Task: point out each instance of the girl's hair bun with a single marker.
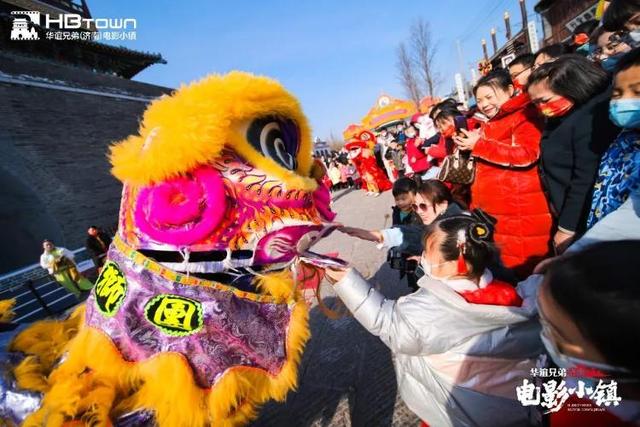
(481, 230)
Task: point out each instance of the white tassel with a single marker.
(186, 253)
(293, 267)
(227, 264)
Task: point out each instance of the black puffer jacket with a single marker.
(571, 148)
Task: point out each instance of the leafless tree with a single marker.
(407, 74)
(335, 143)
(424, 51)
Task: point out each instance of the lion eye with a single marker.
(276, 138)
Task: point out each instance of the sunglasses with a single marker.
(421, 207)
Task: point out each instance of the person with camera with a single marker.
(404, 193)
(432, 201)
(463, 341)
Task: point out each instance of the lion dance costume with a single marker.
(361, 154)
(196, 317)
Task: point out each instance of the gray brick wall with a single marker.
(54, 173)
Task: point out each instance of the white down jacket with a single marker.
(457, 364)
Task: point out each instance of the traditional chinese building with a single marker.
(62, 103)
(388, 111)
(320, 147)
(561, 17)
(523, 40)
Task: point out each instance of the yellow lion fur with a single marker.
(6, 310)
(191, 127)
(43, 343)
(276, 284)
(95, 384)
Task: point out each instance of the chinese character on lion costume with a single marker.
(361, 154)
(197, 316)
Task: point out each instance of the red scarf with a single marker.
(495, 293)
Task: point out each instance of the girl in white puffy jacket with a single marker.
(463, 341)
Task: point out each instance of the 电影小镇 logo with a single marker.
(24, 23)
(588, 387)
(31, 25)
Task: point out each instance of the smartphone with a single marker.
(460, 123)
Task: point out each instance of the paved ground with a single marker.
(347, 376)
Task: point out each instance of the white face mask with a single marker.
(427, 267)
(633, 38)
(568, 362)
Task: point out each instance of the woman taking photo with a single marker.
(463, 341)
(573, 94)
(506, 185)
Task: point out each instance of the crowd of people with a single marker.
(517, 225)
(400, 150)
(551, 140)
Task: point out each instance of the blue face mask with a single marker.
(611, 62)
(625, 113)
(632, 38)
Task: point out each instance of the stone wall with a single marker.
(54, 173)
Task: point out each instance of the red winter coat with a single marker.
(507, 185)
(417, 157)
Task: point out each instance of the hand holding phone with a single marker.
(467, 141)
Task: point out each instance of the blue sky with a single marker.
(335, 56)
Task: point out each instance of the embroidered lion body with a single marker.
(195, 318)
